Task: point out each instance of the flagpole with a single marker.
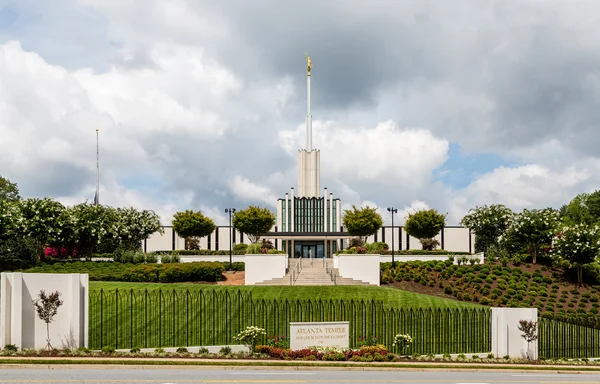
(97, 171)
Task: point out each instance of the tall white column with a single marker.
(293, 215)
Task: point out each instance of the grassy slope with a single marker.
(392, 298)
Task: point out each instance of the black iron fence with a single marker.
(173, 318)
(573, 338)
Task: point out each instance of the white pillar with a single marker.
(293, 215)
(506, 337)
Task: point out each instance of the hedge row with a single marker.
(175, 273)
(408, 252)
(199, 252)
(165, 273)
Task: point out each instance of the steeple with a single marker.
(309, 160)
(308, 115)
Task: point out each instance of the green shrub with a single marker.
(225, 350)
(159, 351)
(485, 301)
(203, 351)
(108, 350)
(240, 247)
(11, 348)
(135, 350)
(182, 350)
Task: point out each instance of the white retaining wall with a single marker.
(362, 267)
(19, 322)
(264, 267)
(506, 337)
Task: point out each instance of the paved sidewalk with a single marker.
(153, 362)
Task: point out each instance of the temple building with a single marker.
(309, 224)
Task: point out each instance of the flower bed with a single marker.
(365, 353)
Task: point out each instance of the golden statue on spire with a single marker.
(308, 64)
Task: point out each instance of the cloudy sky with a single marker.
(201, 104)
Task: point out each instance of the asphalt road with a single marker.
(122, 375)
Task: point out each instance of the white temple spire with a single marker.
(308, 115)
(309, 162)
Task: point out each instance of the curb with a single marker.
(205, 364)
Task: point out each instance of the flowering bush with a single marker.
(578, 245)
(249, 335)
(402, 341)
(488, 224)
(44, 221)
(534, 229)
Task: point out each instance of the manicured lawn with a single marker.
(391, 297)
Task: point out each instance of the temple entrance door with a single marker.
(309, 251)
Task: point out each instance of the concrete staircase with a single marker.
(314, 273)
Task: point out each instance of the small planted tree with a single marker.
(488, 224)
(579, 245)
(534, 229)
(529, 329)
(362, 222)
(192, 225)
(425, 225)
(253, 221)
(46, 307)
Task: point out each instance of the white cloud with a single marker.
(247, 190)
(385, 154)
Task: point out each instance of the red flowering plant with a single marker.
(278, 341)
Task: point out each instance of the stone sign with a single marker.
(324, 334)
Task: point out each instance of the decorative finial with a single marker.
(308, 64)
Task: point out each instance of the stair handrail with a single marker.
(295, 272)
(330, 272)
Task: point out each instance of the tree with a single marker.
(9, 217)
(93, 224)
(8, 191)
(362, 222)
(135, 226)
(534, 229)
(583, 209)
(43, 220)
(425, 225)
(253, 221)
(46, 307)
(488, 224)
(579, 245)
(529, 329)
(191, 225)
(16, 250)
